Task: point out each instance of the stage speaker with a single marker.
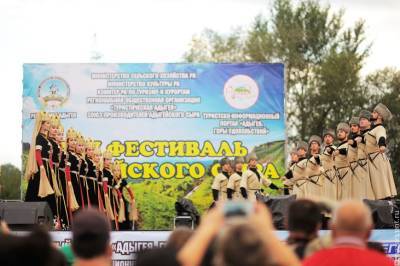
(184, 221)
(21, 216)
(279, 206)
(383, 212)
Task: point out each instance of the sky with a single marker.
(133, 31)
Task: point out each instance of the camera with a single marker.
(237, 208)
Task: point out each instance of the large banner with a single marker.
(167, 124)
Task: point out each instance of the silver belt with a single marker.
(91, 178)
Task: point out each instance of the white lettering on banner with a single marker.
(123, 262)
(131, 247)
(151, 75)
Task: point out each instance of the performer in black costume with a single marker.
(38, 171)
(55, 128)
(83, 169)
(74, 166)
(107, 179)
(91, 173)
(98, 162)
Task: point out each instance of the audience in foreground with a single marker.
(304, 220)
(33, 249)
(351, 228)
(254, 235)
(245, 236)
(91, 239)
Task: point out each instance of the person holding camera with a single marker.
(235, 236)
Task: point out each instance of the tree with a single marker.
(322, 60)
(10, 182)
(213, 47)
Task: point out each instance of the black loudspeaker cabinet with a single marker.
(21, 216)
(279, 206)
(383, 213)
(183, 221)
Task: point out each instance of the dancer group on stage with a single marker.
(74, 174)
(357, 168)
(236, 183)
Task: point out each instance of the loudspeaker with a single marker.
(383, 212)
(183, 221)
(279, 207)
(21, 216)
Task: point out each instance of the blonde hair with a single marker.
(31, 166)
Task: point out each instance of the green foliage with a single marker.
(156, 199)
(201, 196)
(24, 182)
(10, 182)
(322, 60)
(213, 47)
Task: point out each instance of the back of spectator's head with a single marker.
(352, 218)
(179, 237)
(90, 235)
(304, 216)
(240, 244)
(32, 249)
(157, 256)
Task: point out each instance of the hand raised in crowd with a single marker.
(213, 219)
(4, 229)
(261, 218)
(358, 139)
(193, 252)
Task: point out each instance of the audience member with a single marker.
(303, 223)
(91, 239)
(351, 227)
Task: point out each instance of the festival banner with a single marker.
(167, 124)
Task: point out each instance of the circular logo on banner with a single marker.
(241, 91)
(53, 92)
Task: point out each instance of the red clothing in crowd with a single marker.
(348, 256)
